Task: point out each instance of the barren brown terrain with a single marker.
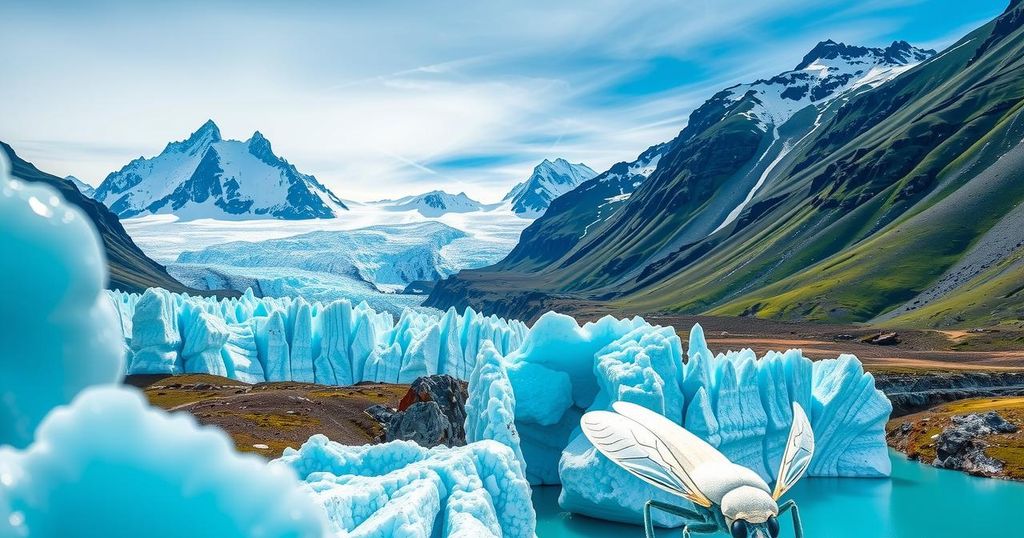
(267, 417)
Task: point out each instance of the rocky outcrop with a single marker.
(882, 339)
(961, 445)
(910, 393)
(432, 413)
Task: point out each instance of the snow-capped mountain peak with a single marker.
(199, 141)
(434, 203)
(207, 176)
(896, 54)
(829, 70)
(549, 180)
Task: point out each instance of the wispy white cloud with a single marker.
(372, 96)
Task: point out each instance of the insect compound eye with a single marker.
(773, 526)
(739, 529)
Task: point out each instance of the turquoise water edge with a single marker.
(917, 501)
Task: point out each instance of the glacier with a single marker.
(401, 489)
(283, 339)
(387, 257)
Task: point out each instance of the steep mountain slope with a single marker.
(130, 269)
(548, 181)
(207, 176)
(846, 210)
(83, 187)
(572, 215)
(434, 203)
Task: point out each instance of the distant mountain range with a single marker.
(549, 180)
(130, 269)
(83, 187)
(865, 184)
(435, 203)
(207, 176)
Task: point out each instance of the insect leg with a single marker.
(700, 528)
(671, 509)
(798, 530)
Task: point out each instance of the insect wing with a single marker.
(690, 450)
(799, 451)
(641, 451)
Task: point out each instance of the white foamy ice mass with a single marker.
(82, 456)
(283, 339)
(738, 402)
(403, 490)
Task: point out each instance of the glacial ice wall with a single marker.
(283, 339)
(400, 489)
(738, 402)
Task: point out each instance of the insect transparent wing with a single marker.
(690, 450)
(799, 451)
(642, 452)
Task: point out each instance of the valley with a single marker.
(470, 303)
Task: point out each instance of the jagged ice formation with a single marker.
(401, 489)
(285, 339)
(738, 402)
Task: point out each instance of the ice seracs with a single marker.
(206, 176)
(265, 339)
(738, 402)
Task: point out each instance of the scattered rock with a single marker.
(960, 445)
(381, 413)
(844, 337)
(882, 339)
(432, 412)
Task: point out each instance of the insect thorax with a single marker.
(749, 504)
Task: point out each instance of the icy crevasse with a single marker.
(285, 339)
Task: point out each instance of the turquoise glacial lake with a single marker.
(918, 501)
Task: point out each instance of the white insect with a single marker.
(726, 496)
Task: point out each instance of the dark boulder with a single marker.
(432, 413)
(961, 447)
(423, 423)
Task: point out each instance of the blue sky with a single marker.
(387, 98)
